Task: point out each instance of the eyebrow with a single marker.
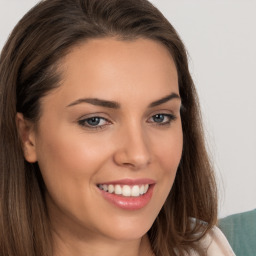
(164, 100)
(96, 102)
(116, 105)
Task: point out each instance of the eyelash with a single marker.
(85, 122)
(170, 118)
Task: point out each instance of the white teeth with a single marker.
(146, 188)
(142, 189)
(111, 188)
(105, 187)
(125, 190)
(135, 191)
(118, 190)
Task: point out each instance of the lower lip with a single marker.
(129, 203)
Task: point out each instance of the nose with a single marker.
(133, 149)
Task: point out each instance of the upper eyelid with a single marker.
(92, 115)
(172, 116)
(85, 125)
(167, 109)
(163, 112)
(111, 120)
(96, 116)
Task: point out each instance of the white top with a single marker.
(216, 244)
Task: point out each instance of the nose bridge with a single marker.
(134, 148)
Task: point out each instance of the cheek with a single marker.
(169, 154)
(71, 162)
(69, 166)
(65, 152)
(67, 163)
(169, 151)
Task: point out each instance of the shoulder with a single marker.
(215, 243)
(240, 220)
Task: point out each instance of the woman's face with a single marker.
(109, 139)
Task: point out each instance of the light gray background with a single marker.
(220, 37)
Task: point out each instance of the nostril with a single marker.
(133, 151)
(131, 161)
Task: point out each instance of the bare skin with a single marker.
(131, 131)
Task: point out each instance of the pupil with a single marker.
(94, 121)
(158, 118)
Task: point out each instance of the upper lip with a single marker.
(130, 182)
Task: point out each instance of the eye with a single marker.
(162, 119)
(94, 122)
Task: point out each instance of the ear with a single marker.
(26, 132)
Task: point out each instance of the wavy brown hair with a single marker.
(29, 70)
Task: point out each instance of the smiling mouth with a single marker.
(125, 190)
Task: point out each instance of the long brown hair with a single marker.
(29, 70)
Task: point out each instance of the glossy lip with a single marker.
(129, 203)
(129, 182)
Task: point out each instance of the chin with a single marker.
(129, 229)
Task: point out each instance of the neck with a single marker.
(66, 245)
(73, 238)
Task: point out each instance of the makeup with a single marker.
(128, 194)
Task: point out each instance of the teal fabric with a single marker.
(240, 230)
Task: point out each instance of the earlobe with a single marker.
(27, 136)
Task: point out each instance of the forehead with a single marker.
(118, 70)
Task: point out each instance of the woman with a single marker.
(102, 149)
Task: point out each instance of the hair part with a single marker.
(30, 67)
